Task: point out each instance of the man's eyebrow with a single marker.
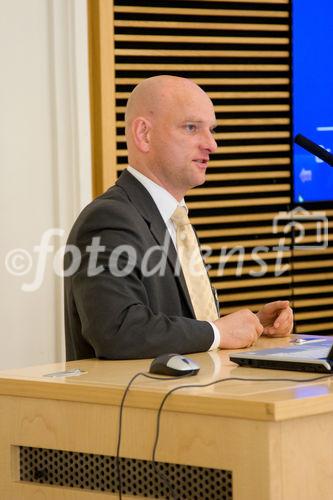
(193, 120)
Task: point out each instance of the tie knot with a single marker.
(180, 217)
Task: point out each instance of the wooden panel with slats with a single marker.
(238, 51)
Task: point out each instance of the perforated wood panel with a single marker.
(138, 477)
(239, 53)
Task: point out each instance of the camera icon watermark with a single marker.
(308, 230)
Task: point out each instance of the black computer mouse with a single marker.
(174, 365)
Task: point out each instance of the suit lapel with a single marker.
(144, 203)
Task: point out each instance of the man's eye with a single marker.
(190, 127)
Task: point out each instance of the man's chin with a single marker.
(199, 179)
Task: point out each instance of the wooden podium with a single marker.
(240, 440)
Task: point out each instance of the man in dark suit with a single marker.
(125, 294)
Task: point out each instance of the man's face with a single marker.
(182, 140)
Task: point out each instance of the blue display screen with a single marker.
(312, 96)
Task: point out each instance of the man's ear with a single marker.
(141, 133)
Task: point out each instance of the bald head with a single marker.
(157, 95)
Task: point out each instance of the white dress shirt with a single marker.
(166, 205)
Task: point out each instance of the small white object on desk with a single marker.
(67, 373)
(306, 341)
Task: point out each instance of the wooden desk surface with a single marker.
(105, 381)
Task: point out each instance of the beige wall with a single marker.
(44, 165)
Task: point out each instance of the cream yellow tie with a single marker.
(193, 268)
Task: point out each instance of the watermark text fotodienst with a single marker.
(294, 230)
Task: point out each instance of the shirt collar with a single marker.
(164, 201)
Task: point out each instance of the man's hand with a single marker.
(276, 319)
(239, 329)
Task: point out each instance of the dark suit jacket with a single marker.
(136, 315)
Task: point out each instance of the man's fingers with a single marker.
(274, 307)
(253, 339)
(257, 324)
(283, 317)
(271, 331)
(285, 324)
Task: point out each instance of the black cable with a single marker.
(119, 432)
(190, 386)
(120, 421)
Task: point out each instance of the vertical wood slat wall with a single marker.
(239, 53)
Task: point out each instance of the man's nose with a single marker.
(210, 143)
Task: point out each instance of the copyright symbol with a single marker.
(18, 262)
